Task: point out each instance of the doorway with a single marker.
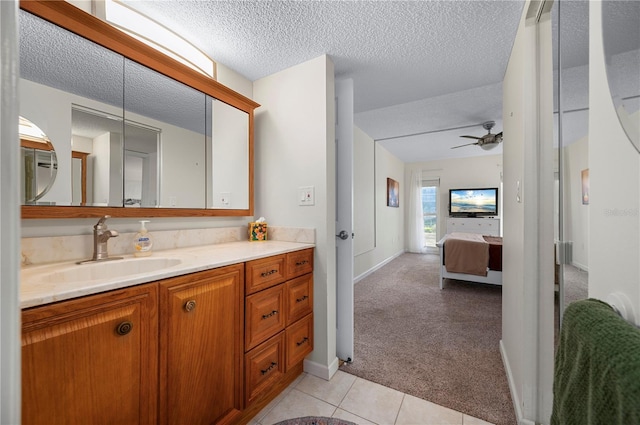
(429, 195)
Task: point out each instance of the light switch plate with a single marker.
(306, 195)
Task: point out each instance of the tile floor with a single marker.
(357, 400)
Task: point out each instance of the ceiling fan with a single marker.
(486, 142)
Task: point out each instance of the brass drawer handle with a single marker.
(269, 273)
(273, 313)
(305, 339)
(302, 263)
(189, 306)
(267, 370)
(299, 300)
(124, 328)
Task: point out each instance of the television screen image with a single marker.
(473, 202)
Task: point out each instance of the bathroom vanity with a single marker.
(210, 338)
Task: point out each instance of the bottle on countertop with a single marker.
(142, 242)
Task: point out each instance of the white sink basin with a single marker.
(112, 269)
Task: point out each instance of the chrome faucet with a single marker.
(101, 236)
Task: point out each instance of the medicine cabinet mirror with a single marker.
(136, 134)
(621, 38)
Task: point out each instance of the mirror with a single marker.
(62, 73)
(136, 133)
(229, 156)
(39, 162)
(177, 111)
(621, 39)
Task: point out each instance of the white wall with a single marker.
(576, 215)
(364, 213)
(474, 172)
(233, 80)
(527, 293)
(614, 171)
(389, 221)
(295, 147)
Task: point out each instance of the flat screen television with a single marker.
(473, 202)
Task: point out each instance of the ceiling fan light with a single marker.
(489, 146)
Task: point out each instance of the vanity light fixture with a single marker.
(155, 35)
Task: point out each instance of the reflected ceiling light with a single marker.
(155, 35)
(30, 131)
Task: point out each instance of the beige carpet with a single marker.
(438, 345)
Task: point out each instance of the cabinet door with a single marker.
(201, 346)
(92, 360)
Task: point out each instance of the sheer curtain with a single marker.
(415, 222)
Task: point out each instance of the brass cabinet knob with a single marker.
(189, 306)
(124, 328)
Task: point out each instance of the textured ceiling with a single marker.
(417, 66)
(424, 72)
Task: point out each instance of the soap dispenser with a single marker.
(142, 242)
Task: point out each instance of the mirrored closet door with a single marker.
(570, 23)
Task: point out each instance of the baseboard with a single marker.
(376, 267)
(580, 266)
(321, 371)
(512, 388)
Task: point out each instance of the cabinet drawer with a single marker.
(299, 295)
(299, 263)
(264, 315)
(264, 366)
(299, 340)
(264, 273)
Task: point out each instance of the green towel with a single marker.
(597, 368)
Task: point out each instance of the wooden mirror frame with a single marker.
(69, 17)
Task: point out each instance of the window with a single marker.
(430, 211)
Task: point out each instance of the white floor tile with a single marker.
(332, 391)
(470, 420)
(265, 410)
(417, 411)
(342, 414)
(360, 401)
(373, 402)
(297, 404)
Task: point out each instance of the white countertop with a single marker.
(43, 284)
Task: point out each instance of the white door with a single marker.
(344, 219)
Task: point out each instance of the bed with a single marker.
(473, 257)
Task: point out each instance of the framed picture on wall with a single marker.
(585, 187)
(393, 193)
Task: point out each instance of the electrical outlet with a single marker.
(225, 199)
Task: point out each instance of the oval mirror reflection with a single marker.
(39, 162)
(621, 38)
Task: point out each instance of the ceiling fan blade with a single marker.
(468, 144)
(472, 137)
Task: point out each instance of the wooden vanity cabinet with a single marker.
(201, 347)
(192, 349)
(92, 360)
(278, 322)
